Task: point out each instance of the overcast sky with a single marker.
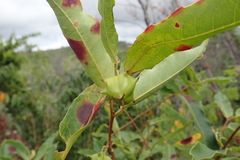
(24, 17)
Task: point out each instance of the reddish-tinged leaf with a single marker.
(176, 13)
(182, 30)
(78, 117)
(149, 28)
(83, 35)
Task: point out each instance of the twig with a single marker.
(137, 128)
(228, 120)
(230, 138)
(228, 141)
(110, 149)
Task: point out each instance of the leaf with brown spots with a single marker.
(8, 148)
(182, 30)
(83, 35)
(78, 117)
(190, 140)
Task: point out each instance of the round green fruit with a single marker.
(120, 88)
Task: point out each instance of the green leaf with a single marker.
(4, 158)
(183, 29)
(99, 156)
(231, 158)
(151, 80)
(237, 113)
(220, 80)
(203, 124)
(108, 31)
(224, 104)
(46, 151)
(168, 152)
(10, 147)
(79, 115)
(83, 35)
(200, 152)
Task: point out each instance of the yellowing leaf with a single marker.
(190, 140)
(178, 124)
(2, 97)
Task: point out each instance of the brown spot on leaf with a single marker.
(188, 98)
(175, 13)
(78, 48)
(177, 25)
(84, 112)
(95, 28)
(190, 140)
(71, 3)
(186, 141)
(173, 156)
(183, 47)
(12, 149)
(88, 110)
(76, 24)
(149, 28)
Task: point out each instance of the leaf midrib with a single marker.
(80, 36)
(189, 38)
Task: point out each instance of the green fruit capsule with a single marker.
(120, 88)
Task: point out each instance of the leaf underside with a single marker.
(182, 30)
(151, 80)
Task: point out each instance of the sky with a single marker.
(23, 17)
